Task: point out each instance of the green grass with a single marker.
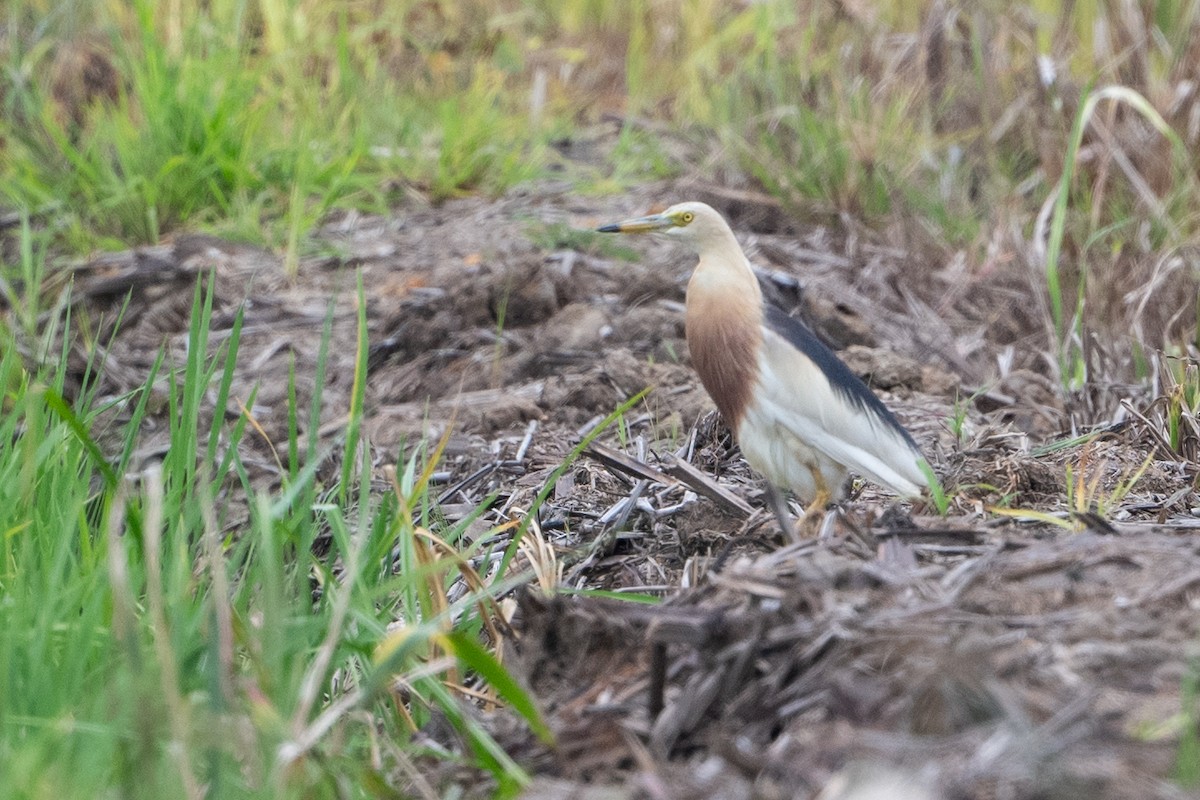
(1071, 331)
(1187, 760)
(206, 130)
(938, 495)
(1179, 407)
(148, 649)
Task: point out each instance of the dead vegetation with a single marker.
(971, 662)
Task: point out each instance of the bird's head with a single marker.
(696, 224)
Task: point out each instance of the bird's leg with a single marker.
(814, 512)
(779, 506)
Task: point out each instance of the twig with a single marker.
(477, 475)
(706, 486)
(615, 459)
(530, 430)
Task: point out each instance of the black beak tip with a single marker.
(609, 229)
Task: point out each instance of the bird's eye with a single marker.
(686, 217)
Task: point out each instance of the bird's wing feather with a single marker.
(823, 403)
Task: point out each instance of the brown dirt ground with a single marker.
(906, 654)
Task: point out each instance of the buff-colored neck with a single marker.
(725, 273)
(724, 326)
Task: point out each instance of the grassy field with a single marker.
(143, 652)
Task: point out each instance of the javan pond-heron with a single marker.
(802, 418)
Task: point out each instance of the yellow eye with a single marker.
(686, 217)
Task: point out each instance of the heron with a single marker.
(802, 418)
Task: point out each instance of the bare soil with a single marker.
(904, 655)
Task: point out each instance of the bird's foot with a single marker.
(811, 524)
(817, 522)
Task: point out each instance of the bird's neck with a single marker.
(725, 275)
(724, 328)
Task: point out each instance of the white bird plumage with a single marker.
(798, 404)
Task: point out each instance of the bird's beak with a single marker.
(654, 222)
